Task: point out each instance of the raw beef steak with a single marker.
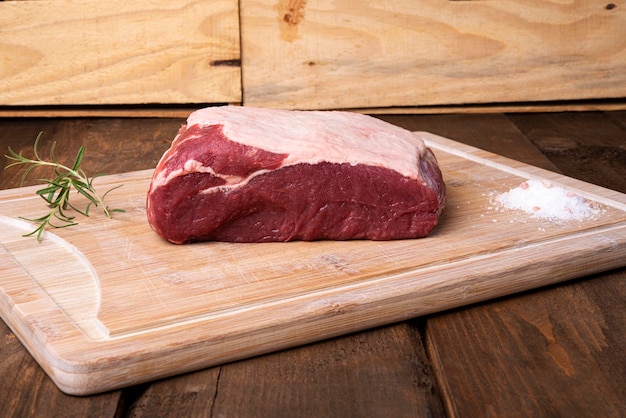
(242, 174)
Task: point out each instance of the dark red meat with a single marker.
(209, 186)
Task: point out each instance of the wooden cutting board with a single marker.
(108, 304)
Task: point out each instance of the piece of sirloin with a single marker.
(541, 199)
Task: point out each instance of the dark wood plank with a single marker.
(554, 352)
(618, 116)
(380, 373)
(20, 134)
(551, 352)
(589, 146)
(112, 145)
(25, 390)
(188, 395)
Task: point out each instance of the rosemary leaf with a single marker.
(56, 191)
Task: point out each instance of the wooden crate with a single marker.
(361, 54)
(311, 54)
(88, 52)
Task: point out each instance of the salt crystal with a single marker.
(543, 200)
(546, 183)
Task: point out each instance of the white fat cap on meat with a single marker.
(317, 136)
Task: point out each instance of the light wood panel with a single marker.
(430, 56)
(70, 52)
(372, 54)
(109, 304)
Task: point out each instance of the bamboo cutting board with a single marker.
(109, 304)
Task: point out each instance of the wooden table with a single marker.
(557, 351)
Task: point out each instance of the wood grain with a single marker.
(440, 56)
(460, 360)
(190, 395)
(339, 376)
(26, 390)
(581, 150)
(92, 52)
(567, 336)
(335, 378)
(582, 355)
(110, 143)
(73, 319)
(182, 111)
(436, 52)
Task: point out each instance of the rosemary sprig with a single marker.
(56, 191)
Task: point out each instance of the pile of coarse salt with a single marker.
(542, 200)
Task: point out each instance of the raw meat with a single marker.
(242, 174)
